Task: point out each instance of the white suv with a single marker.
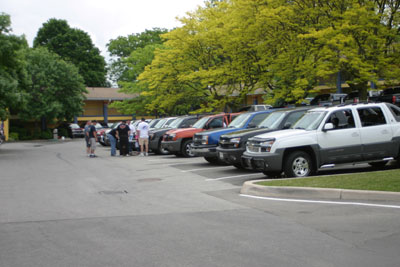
(325, 137)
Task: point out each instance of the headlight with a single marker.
(173, 136)
(235, 141)
(266, 145)
(204, 140)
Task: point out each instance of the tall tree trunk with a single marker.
(43, 124)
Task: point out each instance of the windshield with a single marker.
(153, 122)
(160, 123)
(176, 122)
(240, 121)
(74, 126)
(273, 120)
(200, 123)
(310, 120)
(169, 121)
(98, 126)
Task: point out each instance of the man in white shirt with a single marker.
(143, 133)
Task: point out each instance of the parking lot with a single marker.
(61, 208)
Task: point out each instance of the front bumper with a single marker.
(172, 146)
(270, 162)
(231, 156)
(153, 144)
(205, 151)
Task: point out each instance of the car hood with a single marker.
(281, 134)
(246, 132)
(219, 131)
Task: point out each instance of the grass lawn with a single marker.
(379, 181)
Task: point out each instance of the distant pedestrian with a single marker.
(122, 134)
(113, 141)
(131, 138)
(92, 139)
(143, 133)
(87, 129)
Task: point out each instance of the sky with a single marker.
(103, 20)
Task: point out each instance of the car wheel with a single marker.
(161, 151)
(298, 164)
(378, 164)
(187, 149)
(238, 166)
(272, 174)
(212, 160)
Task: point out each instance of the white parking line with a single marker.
(193, 170)
(323, 202)
(232, 177)
(184, 163)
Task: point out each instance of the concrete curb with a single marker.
(251, 188)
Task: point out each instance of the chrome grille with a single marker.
(225, 142)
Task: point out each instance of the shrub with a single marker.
(47, 134)
(13, 136)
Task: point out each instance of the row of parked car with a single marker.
(295, 142)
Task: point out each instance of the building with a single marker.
(97, 103)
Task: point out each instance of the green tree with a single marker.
(55, 89)
(120, 50)
(12, 71)
(75, 46)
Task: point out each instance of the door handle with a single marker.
(384, 131)
(355, 134)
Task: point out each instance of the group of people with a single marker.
(125, 134)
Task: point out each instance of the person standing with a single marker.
(113, 141)
(131, 138)
(87, 129)
(143, 133)
(122, 134)
(92, 138)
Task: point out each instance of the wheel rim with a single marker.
(300, 167)
(189, 150)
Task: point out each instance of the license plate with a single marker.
(221, 155)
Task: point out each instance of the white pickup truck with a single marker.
(326, 137)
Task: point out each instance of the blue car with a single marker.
(205, 143)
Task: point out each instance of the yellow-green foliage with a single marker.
(284, 47)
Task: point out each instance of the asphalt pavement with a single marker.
(61, 208)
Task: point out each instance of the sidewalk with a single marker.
(251, 188)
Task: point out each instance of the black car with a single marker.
(233, 145)
(156, 135)
(328, 99)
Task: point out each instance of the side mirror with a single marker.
(287, 125)
(251, 125)
(328, 126)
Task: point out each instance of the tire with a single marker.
(298, 164)
(272, 174)
(161, 151)
(212, 160)
(378, 165)
(239, 166)
(186, 149)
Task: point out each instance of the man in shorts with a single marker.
(87, 129)
(92, 138)
(143, 133)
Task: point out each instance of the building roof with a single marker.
(103, 93)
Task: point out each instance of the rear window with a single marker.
(371, 116)
(394, 110)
